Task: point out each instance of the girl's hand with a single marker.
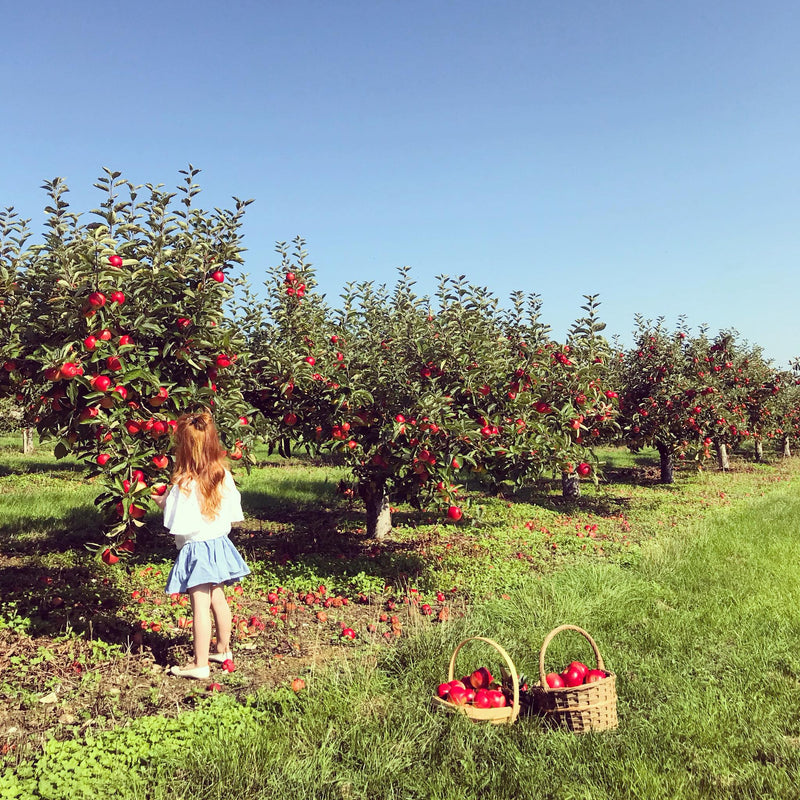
(160, 499)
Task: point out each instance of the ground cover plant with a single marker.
(688, 589)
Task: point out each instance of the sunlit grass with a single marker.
(696, 614)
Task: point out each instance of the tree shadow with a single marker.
(57, 533)
(26, 467)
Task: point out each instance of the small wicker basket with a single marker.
(589, 707)
(497, 716)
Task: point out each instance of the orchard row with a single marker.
(109, 330)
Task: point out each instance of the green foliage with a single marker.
(126, 328)
(416, 393)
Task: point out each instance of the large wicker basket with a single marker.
(497, 716)
(589, 707)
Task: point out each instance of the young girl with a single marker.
(199, 508)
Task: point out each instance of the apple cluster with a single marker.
(478, 689)
(576, 673)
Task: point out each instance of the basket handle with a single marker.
(549, 638)
(506, 657)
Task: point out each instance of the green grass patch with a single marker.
(689, 590)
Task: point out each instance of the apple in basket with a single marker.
(483, 699)
(459, 695)
(594, 675)
(554, 680)
(480, 679)
(574, 674)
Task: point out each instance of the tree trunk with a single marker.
(723, 462)
(787, 450)
(570, 485)
(27, 441)
(759, 447)
(667, 464)
(379, 517)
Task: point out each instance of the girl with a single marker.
(199, 508)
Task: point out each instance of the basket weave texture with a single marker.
(589, 707)
(496, 716)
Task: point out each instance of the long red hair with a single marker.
(200, 458)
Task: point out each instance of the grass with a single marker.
(690, 591)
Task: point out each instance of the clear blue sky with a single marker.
(647, 151)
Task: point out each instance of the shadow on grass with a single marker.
(331, 541)
(40, 535)
(53, 600)
(27, 467)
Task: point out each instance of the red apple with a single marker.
(160, 461)
(483, 699)
(109, 557)
(113, 363)
(103, 459)
(455, 513)
(115, 261)
(594, 675)
(101, 383)
(218, 276)
(69, 370)
(117, 297)
(443, 689)
(572, 676)
(125, 340)
(481, 678)
(554, 680)
(580, 666)
(458, 695)
(496, 698)
(90, 342)
(97, 299)
(584, 469)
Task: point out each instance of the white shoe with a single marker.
(198, 673)
(220, 658)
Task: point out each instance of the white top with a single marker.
(183, 518)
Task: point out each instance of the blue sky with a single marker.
(646, 151)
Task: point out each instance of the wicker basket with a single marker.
(497, 716)
(589, 707)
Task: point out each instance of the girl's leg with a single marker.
(200, 597)
(222, 618)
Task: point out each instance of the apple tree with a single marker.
(126, 329)
(14, 256)
(413, 392)
(659, 402)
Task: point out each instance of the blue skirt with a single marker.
(213, 561)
